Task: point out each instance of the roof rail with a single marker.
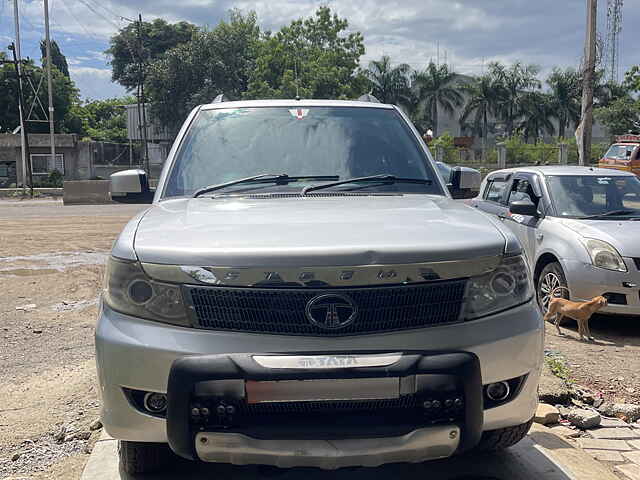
(220, 98)
(367, 97)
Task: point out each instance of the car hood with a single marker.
(314, 231)
(622, 234)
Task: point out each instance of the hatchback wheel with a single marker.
(551, 283)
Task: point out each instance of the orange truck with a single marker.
(624, 154)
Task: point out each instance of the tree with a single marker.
(103, 120)
(65, 95)
(537, 112)
(485, 95)
(566, 93)
(195, 72)
(435, 87)
(128, 47)
(514, 82)
(312, 58)
(620, 116)
(58, 60)
(390, 84)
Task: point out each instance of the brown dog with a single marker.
(581, 312)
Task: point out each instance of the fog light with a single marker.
(155, 402)
(497, 391)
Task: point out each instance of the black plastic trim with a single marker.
(187, 371)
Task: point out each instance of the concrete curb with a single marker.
(542, 454)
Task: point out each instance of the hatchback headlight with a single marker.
(129, 290)
(604, 255)
(505, 287)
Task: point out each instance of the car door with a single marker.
(525, 186)
(493, 196)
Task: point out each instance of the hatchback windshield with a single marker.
(584, 196)
(227, 144)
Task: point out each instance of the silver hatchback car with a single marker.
(580, 227)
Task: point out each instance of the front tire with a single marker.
(551, 282)
(139, 457)
(495, 440)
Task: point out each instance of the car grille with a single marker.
(282, 310)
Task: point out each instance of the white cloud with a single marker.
(95, 83)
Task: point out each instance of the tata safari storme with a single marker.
(303, 291)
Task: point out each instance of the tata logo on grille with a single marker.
(331, 312)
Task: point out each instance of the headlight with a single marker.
(507, 286)
(604, 255)
(128, 290)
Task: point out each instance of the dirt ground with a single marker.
(51, 265)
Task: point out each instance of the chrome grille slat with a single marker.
(282, 310)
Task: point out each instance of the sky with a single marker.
(467, 34)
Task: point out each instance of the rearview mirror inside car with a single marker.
(464, 182)
(131, 186)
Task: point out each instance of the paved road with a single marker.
(540, 456)
(51, 208)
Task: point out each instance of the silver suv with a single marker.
(304, 291)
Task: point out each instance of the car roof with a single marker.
(295, 103)
(563, 170)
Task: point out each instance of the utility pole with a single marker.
(142, 99)
(584, 130)
(21, 103)
(23, 132)
(52, 136)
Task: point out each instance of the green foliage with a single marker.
(312, 57)
(484, 97)
(620, 116)
(212, 62)
(146, 42)
(537, 110)
(435, 87)
(558, 367)
(389, 84)
(445, 141)
(632, 79)
(65, 95)
(565, 100)
(101, 120)
(58, 60)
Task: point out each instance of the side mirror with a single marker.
(130, 186)
(523, 207)
(465, 182)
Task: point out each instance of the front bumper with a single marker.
(138, 354)
(258, 393)
(586, 281)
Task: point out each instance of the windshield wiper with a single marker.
(282, 178)
(610, 213)
(385, 178)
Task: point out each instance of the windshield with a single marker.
(582, 196)
(224, 145)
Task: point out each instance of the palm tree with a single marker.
(485, 95)
(390, 84)
(565, 97)
(436, 87)
(514, 82)
(537, 111)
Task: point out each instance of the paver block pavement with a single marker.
(633, 456)
(613, 422)
(599, 444)
(630, 470)
(607, 455)
(634, 443)
(614, 433)
(565, 431)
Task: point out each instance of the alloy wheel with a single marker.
(548, 284)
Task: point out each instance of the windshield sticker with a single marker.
(604, 180)
(299, 113)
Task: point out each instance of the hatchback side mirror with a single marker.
(464, 182)
(130, 186)
(523, 207)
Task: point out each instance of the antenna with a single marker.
(612, 41)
